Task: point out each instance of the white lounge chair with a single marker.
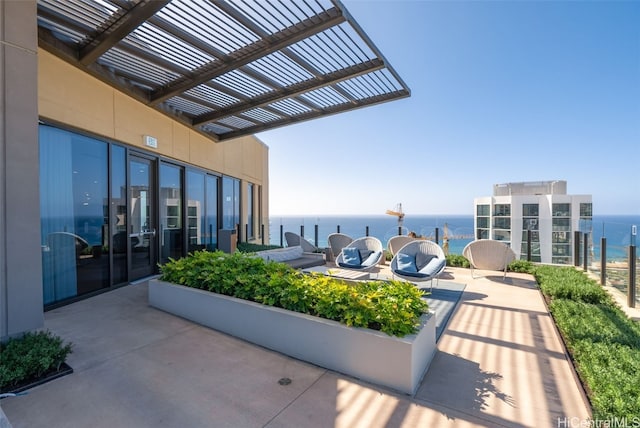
(418, 261)
(294, 240)
(489, 254)
(337, 241)
(396, 242)
(362, 254)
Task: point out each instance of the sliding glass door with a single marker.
(73, 214)
(142, 226)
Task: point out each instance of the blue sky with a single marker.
(501, 91)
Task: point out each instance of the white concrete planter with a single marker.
(370, 355)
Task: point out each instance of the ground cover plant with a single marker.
(247, 247)
(456, 260)
(603, 342)
(30, 357)
(393, 307)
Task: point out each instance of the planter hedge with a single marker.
(30, 357)
(393, 307)
(602, 341)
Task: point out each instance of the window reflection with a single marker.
(170, 212)
(74, 214)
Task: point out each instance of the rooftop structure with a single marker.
(543, 208)
(556, 187)
(110, 111)
(225, 69)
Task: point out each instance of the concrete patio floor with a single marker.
(500, 362)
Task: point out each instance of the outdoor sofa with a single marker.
(293, 256)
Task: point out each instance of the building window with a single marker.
(561, 224)
(502, 210)
(535, 246)
(530, 210)
(212, 212)
(230, 202)
(483, 210)
(561, 210)
(74, 214)
(250, 213)
(483, 222)
(260, 212)
(196, 204)
(118, 213)
(502, 235)
(170, 212)
(483, 213)
(586, 210)
(502, 223)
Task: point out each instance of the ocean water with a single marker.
(616, 228)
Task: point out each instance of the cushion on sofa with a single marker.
(411, 273)
(364, 254)
(406, 263)
(423, 259)
(433, 266)
(371, 260)
(281, 254)
(351, 257)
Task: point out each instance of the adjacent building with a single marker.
(542, 210)
(128, 131)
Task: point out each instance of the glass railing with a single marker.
(554, 241)
(604, 247)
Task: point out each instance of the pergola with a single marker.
(224, 68)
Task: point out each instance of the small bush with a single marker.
(603, 342)
(393, 307)
(521, 266)
(456, 260)
(570, 283)
(246, 247)
(30, 357)
(605, 345)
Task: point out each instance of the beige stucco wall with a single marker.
(69, 96)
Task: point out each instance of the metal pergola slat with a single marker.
(225, 68)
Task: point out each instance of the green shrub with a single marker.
(605, 345)
(30, 357)
(456, 260)
(522, 266)
(603, 342)
(393, 307)
(569, 283)
(246, 247)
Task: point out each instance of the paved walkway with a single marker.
(500, 363)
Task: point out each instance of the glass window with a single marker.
(502, 235)
(529, 224)
(586, 210)
(170, 212)
(119, 213)
(535, 246)
(483, 222)
(196, 214)
(250, 215)
(212, 212)
(260, 219)
(561, 224)
(482, 210)
(535, 236)
(502, 210)
(561, 237)
(230, 202)
(561, 210)
(530, 210)
(74, 214)
(502, 223)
